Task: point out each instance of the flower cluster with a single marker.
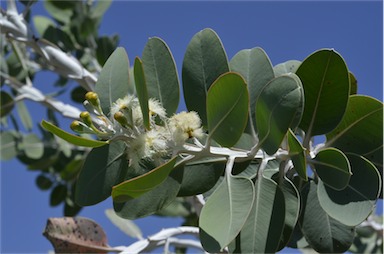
(125, 122)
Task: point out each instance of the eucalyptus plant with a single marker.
(267, 156)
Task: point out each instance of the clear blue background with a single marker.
(285, 30)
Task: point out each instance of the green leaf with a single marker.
(7, 103)
(100, 8)
(60, 10)
(325, 79)
(333, 168)
(322, 232)
(361, 129)
(297, 154)
(225, 212)
(352, 84)
(204, 61)
(227, 109)
(113, 81)
(161, 74)
(154, 200)
(42, 23)
(32, 146)
(58, 195)
(278, 108)
(359, 196)
(105, 47)
(256, 68)
(8, 145)
(140, 185)
(292, 210)
(103, 168)
(264, 226)
(25, 117)
(141, 90)
(200, 178)
(73, 139)
(287, 67)
(43, 182)
(127, 226)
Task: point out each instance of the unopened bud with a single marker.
(93, 98)
(77, 126)
(120, 118)
(86, 117)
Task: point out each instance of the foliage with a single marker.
(245, 148)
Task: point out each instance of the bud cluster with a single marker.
(125, 122)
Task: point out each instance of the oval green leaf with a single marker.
(103, 168)
(361, 129)
(264, 226)
(113, 81)
(73, 139)
(287, 67)
(322, 232)
(325, 79)
(333, 168)
(256, 69)
(141, 90)
(8, 147)
(161, 74)
(225, 212)
(297, 154)
(359, 196)
(278, 108)
(227, 109)
(140, 185)
(32, 146)
(204, 61)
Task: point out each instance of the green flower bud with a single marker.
(120, 118)
(93, 98)
(86, 117)
(77, 126)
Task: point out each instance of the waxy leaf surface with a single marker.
(333, 168)
(227, 109)
(161, 74)
(204, 61)
(141, 90)
(278, 108)
(112, 83)
(325, 80)
(297, 153)
(137, 186)
(352, 205)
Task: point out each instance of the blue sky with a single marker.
(285, 30)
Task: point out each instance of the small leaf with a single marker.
(278, 108)
(227, 109)
(352, 84)
(325, 79)
(76, 235)
(140, 185)
(127, 226)
(287, 67)
(58, 195)
(73, 139)
(113, 81)
(264, 226)
(161, 74)
(204, 61)
(141, 90)
(59, 10)
(8, 145)
(25, 117)
(100, 8)
(333, 168)
(32, 146)
(42, 23)
(322, 232)
(7, 103)
(298, 155)
(43, 182)
(225, 212)
(361, 129)
(103, 168)
(360, 195)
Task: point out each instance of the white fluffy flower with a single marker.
(155, 108)
(156, 143)
(123, 103)
(185, 125)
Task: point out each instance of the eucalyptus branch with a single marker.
(15, 27)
